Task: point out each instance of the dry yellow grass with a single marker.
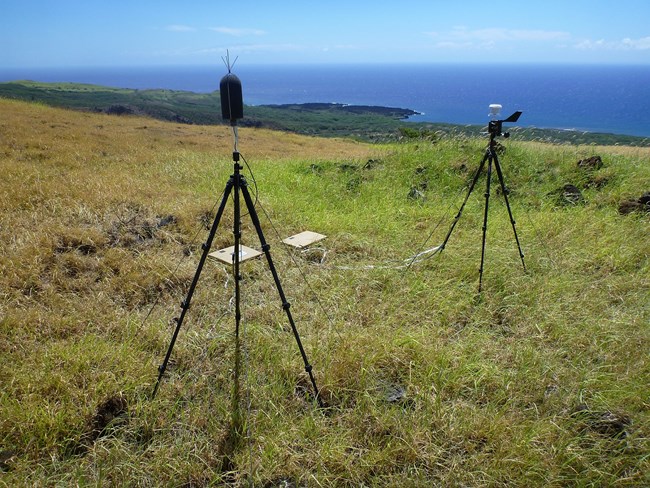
(45, 132)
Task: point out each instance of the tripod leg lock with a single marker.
(266, 247)
(185, 305)
(286, 306)
(308, 368)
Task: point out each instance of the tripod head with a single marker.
(495, 127)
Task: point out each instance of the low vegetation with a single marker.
(366, 123)
(540, 381)
(204, 108)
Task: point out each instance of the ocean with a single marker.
(590, 98)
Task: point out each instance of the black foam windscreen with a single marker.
(232, 103)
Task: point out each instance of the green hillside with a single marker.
(204, 108)
(540, 381)
(369, 123)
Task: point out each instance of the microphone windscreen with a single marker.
(232, 103)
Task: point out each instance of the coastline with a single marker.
(550, 95)
(373, 123)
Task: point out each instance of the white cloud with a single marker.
(238, 32)
(349, 47)
(460, 45)
(461, 33)
(627, 44)
(180, 28)
(637, 44)
(461, 37)
(247, 48)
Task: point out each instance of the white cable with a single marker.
(407, 262)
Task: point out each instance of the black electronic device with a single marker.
(495, 127)
(232, 103)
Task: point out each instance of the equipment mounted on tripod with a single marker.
(232, 109)
(495, 129)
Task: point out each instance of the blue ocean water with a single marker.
(575, 97)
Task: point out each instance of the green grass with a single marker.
(540, 382)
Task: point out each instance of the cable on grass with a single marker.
(421, 250)
(302, 273)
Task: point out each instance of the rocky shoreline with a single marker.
(392, 112)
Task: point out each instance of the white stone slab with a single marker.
(304, 239)
(227, 255)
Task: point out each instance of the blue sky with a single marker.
(71, 33)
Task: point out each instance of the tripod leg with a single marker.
(236, 257)
(237, 423)
(485, 217)
(285, 304)
(469, 192)
(505, 191)
(185, 305)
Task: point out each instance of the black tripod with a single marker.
(236, 184)
(495, 129)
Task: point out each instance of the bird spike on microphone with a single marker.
(226, 61)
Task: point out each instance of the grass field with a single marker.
(540, 381)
